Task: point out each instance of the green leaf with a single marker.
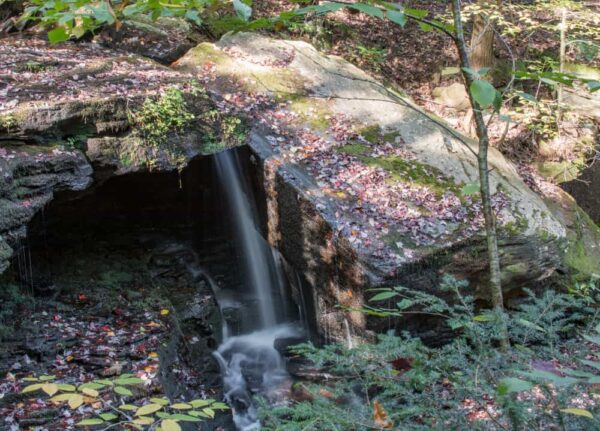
(200, 403)
(526, 96)
(320, 9)
(416, 13)
(396, 17)
(92, 385)
(46, 378)
(483, 92)
(122, 391)
(210, 412)
(470, 189)
(59, 34)
(128, 381)
(129, 407)
(102, 13)
(108, 416)
(181, 406)
(474, 74)
(133, 9)
(368, 9)
(405, 303)
(384, 295)
(578, 412)
(529, 324)
(160, 401)
(219, 406)
(242, 10)
(194, 16)
(66, 388)
(185, 418)
(94, 421)
(512, 384)
(148, 409)
(143, 420)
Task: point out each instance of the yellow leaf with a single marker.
(170, 425)
(61, 398)
(31, 388)
(90, 392)
(143, 420)
(578, 412)
(148, 409)
(75, 401)
(164, 312)
(153, 355)
(181, 406)
(50, 388)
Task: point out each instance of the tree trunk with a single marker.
(495, 284)
(482, 41)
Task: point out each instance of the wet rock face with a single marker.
(30, 177)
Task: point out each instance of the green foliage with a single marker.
(149, 415)
(542, 382)
(74, 18)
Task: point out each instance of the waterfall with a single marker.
(250, 363)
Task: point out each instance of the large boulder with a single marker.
(364, 188)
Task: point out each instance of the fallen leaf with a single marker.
(380, 416)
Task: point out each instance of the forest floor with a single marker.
(106, 327)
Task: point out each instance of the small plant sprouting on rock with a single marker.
(155, 120)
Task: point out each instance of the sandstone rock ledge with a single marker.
(74, 114)
(364, 188)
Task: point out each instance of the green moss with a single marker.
(376, 135)
(561, 171)
(415, 172)
(311, 111)
(583, 249)
(355, 149)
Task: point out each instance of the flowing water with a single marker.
(250, 363)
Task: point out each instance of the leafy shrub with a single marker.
(544, 381)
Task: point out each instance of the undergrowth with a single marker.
(545, 380)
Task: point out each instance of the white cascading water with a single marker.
(249, 362)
